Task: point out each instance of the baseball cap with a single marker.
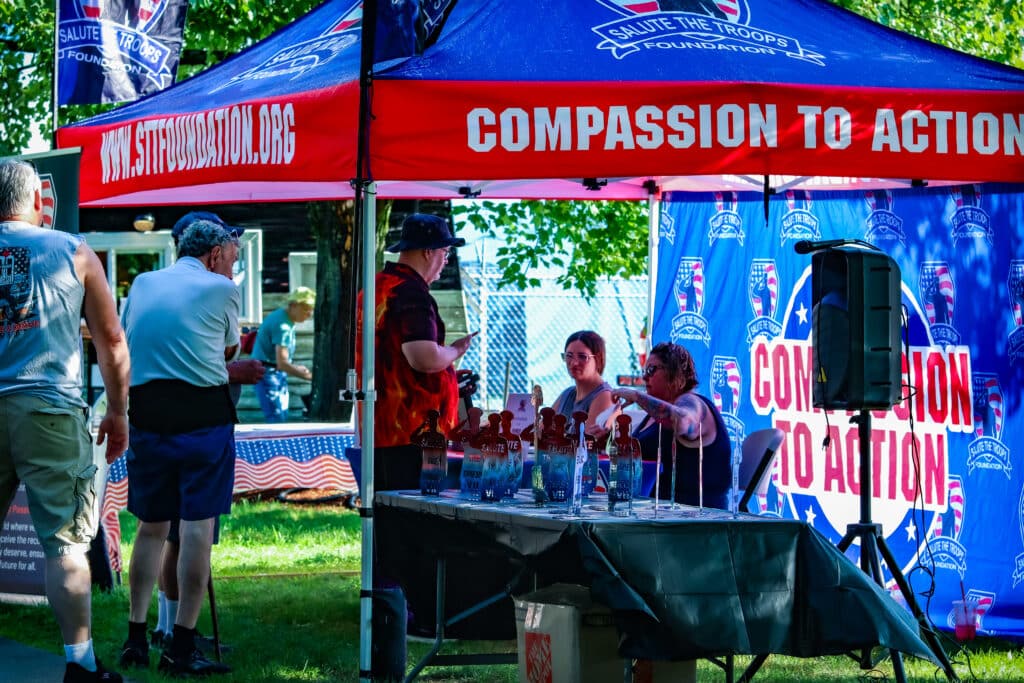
(187, 219)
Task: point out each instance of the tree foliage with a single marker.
(586, 241)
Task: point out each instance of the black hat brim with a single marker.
(408, 245)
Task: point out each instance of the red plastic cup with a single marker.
(965, 619)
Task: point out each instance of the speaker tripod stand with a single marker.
(872, 543)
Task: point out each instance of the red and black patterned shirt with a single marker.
(405, 312)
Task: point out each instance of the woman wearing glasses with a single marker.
(693, 419)
(584, 358)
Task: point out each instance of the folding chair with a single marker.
(758, 457)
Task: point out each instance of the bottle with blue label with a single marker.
(494, 449)
(590, 467)
(516, 454)
(472, 457)
(623, 452)
(434, 447)
(561, 459)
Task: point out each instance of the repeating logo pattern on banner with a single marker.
(935, 287)
(1015, 289)
(726, 389)
(690, 324)
(726, 223)
(969, 219)
(942, 459)
(763, 293)
(944, 548)
(799, 223)
(987, 451)
(882, 224)
(723, 25)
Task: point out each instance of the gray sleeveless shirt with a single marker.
(40, 314)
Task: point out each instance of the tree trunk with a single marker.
(334, 231)
(337, 283)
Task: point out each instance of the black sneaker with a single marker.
(74, 673)
(195, 664)
(135, 654)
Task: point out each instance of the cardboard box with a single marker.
(564, 637)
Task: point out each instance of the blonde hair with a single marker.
(302, 295)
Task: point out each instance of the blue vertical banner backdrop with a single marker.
(948, 477)
(117, 50)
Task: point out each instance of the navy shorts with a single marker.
(186, 476)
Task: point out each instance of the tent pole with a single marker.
(369, 241)
(653, 221)
(54, 92)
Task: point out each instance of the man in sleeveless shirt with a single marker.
(182, 327)
(414, 370)
(48, 278)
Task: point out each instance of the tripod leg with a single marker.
(926, 629)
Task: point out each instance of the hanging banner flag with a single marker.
(117, 50)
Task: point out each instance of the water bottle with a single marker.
(434, 447)
(540, 494)
(494, 470)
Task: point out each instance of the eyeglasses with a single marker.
(569, 357)
(447, 253)
(651, 369)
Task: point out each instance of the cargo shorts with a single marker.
(49, 449)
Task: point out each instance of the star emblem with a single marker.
(911, 529)
(801, 313)
(809, 515)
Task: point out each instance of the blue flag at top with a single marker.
(117, 50)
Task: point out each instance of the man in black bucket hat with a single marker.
(414, 367)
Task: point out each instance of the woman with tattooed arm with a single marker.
(687, 417)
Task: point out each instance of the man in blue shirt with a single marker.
(275, 348)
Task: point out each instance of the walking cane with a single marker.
(213, 616)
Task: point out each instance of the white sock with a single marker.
(172, 615)
(161, 611)
(81, 654)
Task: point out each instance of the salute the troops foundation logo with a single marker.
(1015, 287)
(726, 223)
(944, 548)
(689, 324)
(969, 220)
(799, 223)
(882, 224)
(987, 451)
(937, 293)
(763, 293)
(726, 384)
(667, 227)
(721, 25)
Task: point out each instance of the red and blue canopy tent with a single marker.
(595, 99)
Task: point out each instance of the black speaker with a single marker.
(855, 329)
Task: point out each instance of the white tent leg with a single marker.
(653, 225)
(369, 242)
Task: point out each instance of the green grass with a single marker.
(288, 602)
